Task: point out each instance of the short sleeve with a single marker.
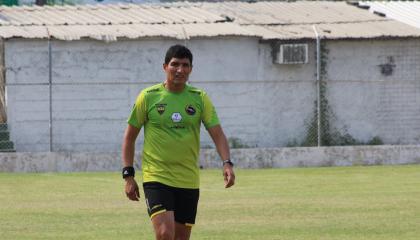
(138, 115)
(209, 116)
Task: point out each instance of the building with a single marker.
(73, 72)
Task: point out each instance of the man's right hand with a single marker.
(132, 189)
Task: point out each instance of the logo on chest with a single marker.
(160, 108)
(176, 117)
(190, 110)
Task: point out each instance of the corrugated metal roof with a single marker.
(300, 12)
(355, 30)
(104, 14)
(182, 20)
(404, 11)
(131, 31)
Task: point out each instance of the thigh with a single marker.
(159, 198)
(185, 209)
(182, 232)
(164, 225)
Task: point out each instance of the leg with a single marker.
(182, 231)
(186, 201)
(160, 204)
(164, 225)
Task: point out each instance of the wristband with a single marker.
(128, 172)
(227, 162)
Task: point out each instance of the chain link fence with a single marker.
(374, 104)
(5, 144)
(380, 107)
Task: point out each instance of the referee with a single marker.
(171, 114)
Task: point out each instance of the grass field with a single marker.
(381, 202)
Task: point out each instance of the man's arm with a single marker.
(128, 146)
(222, 146)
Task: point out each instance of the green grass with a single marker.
(381, 202)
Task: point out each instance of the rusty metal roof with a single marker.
(183, 20)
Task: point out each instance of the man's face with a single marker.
(177, 70)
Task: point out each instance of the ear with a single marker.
(164, 66)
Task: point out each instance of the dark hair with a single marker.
(178, 51)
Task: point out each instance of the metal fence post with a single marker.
(318, 80)
(50, 92)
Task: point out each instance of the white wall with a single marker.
(244, 158)
(261, 103)
(95, 85)
(369, 103)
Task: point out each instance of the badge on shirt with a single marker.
(190, 110)
(160, 108)
(176, 117)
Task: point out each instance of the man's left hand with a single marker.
(228, 175)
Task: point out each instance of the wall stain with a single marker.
(387, 69)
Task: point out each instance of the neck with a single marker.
(174, 87)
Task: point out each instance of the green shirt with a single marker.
(172, 133)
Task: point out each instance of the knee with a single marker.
(165, 234)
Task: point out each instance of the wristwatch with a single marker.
(227, 162)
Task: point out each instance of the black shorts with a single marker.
(161, 198)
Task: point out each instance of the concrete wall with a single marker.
(95, 85)
(243, 158)
(373, 88)
(260, 103)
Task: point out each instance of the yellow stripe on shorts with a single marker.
(156, 213)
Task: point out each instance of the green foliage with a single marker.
(375, 141)
(293, 143)
(9, 2)
(330, 135)
(235, 142)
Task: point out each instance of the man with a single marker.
(171, 114)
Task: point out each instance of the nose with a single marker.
(180, 69)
